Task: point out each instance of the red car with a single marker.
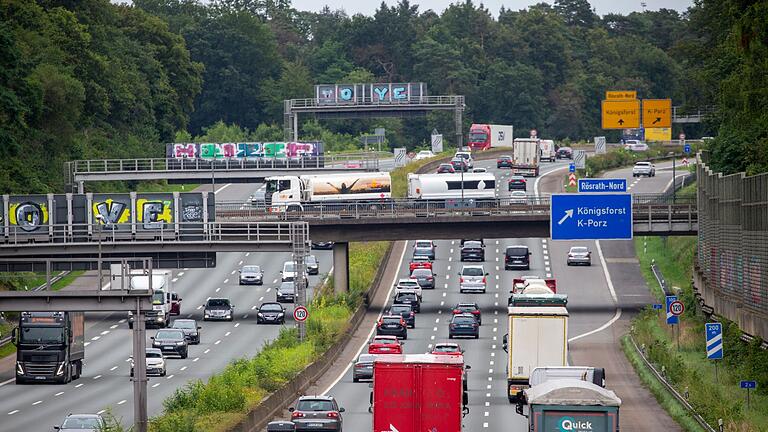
(175, 304)
(419, 261)
(446, 168)
(385, 345)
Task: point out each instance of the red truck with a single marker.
(484, 136)
(418, 392)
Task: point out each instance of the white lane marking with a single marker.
(434, 329)
(113, 326)
(254, 306)
(199, 307)
(174, 280)
(545, 247)
(122, 321)
(207, 351)
(546, 262)
(217, 342)
(247, 254)
(549, 275)
(189, 315)
(95, 338)
(169, 377)
(617, 315)
(112, 368)
(86, 344)
(122, 402)
(442, 303)
(245, 316)
(437, 320)
(373, 327)
(233, 271)
(547, 269)
(226, 280)
(227, 334)
(79, 385)
(13, 412)
(222, 188)
(195, 359)
(445, 294)
(218, 289)
(7, 382)
(237, 325)
(97, 377)
(101, 412)
(432, 337)
(446, 286)
(180, 274)
(105, 332)
(183, 368)
(240, 263)
(536, 184)
(269, 289)
(274, 281)
(449, 267)
(37, 403)
(450, 259)
(155, 385)
(451, 250)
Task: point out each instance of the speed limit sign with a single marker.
(300, 314)
(676, 308)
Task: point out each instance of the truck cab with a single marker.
(50, 346)
(282, 193)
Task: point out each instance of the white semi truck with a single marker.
(297, 193)
(477, 186)
(165, 302)
(525, 157)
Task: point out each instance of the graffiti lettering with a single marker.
(345, 94)
(244, 150)
(381, 91)
(186, 151)
(28, 216)
(399, 93)
(152, 213)
(192, 212)
(111, 213)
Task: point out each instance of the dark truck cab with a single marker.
(50, 346)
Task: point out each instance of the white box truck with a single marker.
(525, 157)
(547, 148)
(538, 337)
(477, 186)
(165, 302)
(294, 193)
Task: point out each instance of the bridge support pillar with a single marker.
(341, 267)
(81, 187)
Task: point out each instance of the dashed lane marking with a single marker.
(122, 402)
(37, 403)
(13, 412)
(155, 385)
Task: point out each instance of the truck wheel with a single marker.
(130, 326)
(355, 379)
(78, 369)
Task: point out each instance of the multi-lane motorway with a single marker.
(105, 382)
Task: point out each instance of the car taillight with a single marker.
(476, 312)
(402, 322)
(506, 257)
(483, 279)
(333, 414)
(297, 414)
(379, 323)
(412, 314)
(429, 277)
(456, 311)
(461, 280)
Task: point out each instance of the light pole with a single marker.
(101, 221)
(674, 182)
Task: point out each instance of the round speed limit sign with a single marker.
(300, 314)
(676, 308)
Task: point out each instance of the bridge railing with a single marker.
(158, 232)
(352, 161)
(444, 100)
(646, 207)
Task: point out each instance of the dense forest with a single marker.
(88, 79)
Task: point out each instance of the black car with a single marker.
(516, 182)
(469, 308)
(409, 298)
(504, 162)
(285, 293)
(314, 413)
(363, 367)
(272, 313)
(424, 277)
(517, 257)
(392, 325)
(171, 341)
(405, 311)
(463, 325)
(218, 309)
(472, 251)
(190, 328)
(313, 266)
(482, 242)
(322, 245)
(564, 153)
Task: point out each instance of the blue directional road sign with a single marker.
(658, 306)
(748, 384)
(591, 217)
(572, 167)
(714, 340)
(602, 185)
(671, 318)
(687, 148)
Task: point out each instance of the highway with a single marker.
(594, 326)
(105, 382)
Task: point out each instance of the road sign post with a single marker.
(672, 319)
(677, 308)
(714, 346)
(591, 217)
(572, 167)
(748, 385)
(580, 159)
(300, 313)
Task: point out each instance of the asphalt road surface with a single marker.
(105, 382)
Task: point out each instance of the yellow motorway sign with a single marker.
(621, 114)
(621, 95)
(657, 113)
(658, 134)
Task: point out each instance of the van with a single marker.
(518, 257)
(289, 272)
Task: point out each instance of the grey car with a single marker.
(405, 311)
(317, 413)
(472, 278)
(82, 423)
(424, 277)
(579, 255)
(251, 275)
(218, 309)
(463, 325)
(190, 328)
(424, 248)
(313, 266)
(171, 341)
(285, 293)
(363, 367)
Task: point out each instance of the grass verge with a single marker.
(687, 367)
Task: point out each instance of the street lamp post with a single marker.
(101, 221)
(674, 179)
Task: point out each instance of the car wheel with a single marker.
(162, 373)
(130, 326)
(355, 379)
(477, 336)
(405, 337)
(185, 354)
(450, 336)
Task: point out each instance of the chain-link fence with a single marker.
(732, 258)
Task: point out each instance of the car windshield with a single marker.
(462, 155)
(251, 269)
(314, 405)
(406, 297)
(158, 297)
(286, 286)
(446, 166)
(400, 309)
(517, 179)
(81, 423)
(366, 358)
(463, 320)
(473, 245)
(165, 334)
(421, 273)
(505, 158)
(154, 354)
(517, 251)
(311, 260)
(391, 320)
(446, 348)
(288, 267)
(472, 271)
(478, 137)
(423, 244)
(43, 334)
(643, 164)
(218, 303)
(183, 324)
(271, 307)
(579, 250)
(467, 307)
(408, 282)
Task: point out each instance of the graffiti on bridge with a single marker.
(246, 150)
(28, 215)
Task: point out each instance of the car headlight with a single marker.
(19, 368)
(280, 314)
(207, 315)
(60, 370)
(180, 343)
(260, 314)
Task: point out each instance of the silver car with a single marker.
(251, 274)
(472, 278)
(579, 255)
(644, 169)
(317, 413)
(82, 423)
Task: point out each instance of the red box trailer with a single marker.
(418, 392)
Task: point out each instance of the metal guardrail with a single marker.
(691, 115)
(446, 100)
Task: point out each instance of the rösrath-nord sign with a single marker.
(621, 95)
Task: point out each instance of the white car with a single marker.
(635, 145)
(408, 285)
(155, 362)
(518, 197)
(644, 169)
(467, 156)
(424, 154)
(472, 278)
